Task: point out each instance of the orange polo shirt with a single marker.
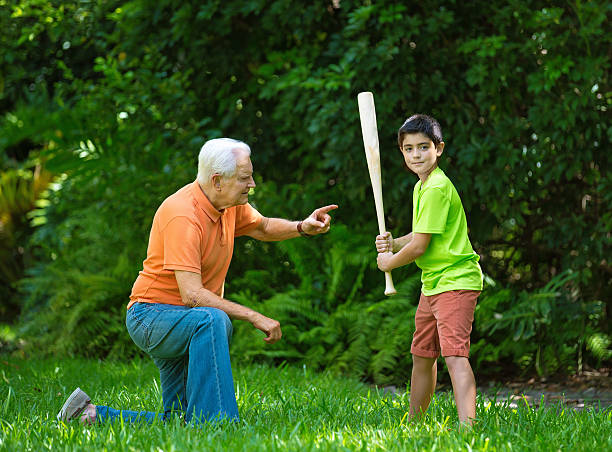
(189, 234)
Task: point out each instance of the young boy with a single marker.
(451, 276)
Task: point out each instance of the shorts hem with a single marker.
(422, 353)
(456, 352)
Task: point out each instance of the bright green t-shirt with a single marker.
(449, 263)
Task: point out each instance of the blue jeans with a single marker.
(190, 346)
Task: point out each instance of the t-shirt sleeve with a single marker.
(432, 212)
(247, 219)
(182, 245)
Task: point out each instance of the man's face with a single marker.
(420, 154)
(236, 188)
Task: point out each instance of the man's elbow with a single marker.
(261, 231)
(189, 297)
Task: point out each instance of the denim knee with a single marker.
(221, 321)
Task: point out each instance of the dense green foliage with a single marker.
(115, 98)
(281, 409)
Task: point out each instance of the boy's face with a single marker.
(420, 154)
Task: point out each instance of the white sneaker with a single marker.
(74, 405)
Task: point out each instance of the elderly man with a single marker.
(177, 313)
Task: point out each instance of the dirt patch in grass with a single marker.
(589, 389)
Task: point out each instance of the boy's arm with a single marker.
(401, 242)
(414, 249)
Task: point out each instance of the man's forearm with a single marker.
(205, 298)
(275, 229)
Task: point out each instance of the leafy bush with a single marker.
(545, 329)
(21, 190)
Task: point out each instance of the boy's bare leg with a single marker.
(464, 387)
(422, 385)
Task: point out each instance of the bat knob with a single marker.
(390, 292)
(389, 288)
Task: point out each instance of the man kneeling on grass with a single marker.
(177, 313)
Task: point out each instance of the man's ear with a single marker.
(440, 148)
(216, 181)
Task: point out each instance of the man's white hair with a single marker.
(218, 156)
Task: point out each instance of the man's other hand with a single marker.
(269, 326)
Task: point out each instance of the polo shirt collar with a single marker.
(204, 203)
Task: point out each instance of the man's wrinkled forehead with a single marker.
(243, 161)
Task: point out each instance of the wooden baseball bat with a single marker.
(367, 114)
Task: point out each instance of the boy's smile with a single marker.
(420, 154)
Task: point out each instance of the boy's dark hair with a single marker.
(421, 124)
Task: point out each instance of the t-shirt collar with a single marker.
(204, 203)
(435, 171)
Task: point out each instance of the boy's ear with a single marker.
(440, 148)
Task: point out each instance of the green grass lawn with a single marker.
(281, 409)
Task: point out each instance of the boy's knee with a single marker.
(423, 362)
(456, 363)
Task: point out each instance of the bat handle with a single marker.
(389, 288)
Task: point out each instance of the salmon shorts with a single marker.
(444, 323)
